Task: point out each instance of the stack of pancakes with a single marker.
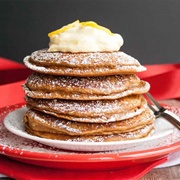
(93, 97)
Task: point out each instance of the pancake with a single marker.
(83, 88)
(86, 92)
(91, 111)
(48, 126)
(140, 133)
(83, 64)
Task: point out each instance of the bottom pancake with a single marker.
(140, 133)
(48, 126)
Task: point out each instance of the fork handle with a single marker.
(172, 118)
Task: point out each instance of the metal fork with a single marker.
(161, 111)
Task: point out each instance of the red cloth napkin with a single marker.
(12, 76)
(164, 80)
(24, 171)
(6, 64)
(11, 94)
(11, 71)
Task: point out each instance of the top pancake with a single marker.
(83, 64)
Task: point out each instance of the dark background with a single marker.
(150, 28)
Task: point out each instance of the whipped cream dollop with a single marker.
(84, 37)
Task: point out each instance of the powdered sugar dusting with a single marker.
(84, 59)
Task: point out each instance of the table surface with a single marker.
(168, 173)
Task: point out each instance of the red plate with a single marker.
(35, 153)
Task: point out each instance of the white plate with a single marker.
(163, 130)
